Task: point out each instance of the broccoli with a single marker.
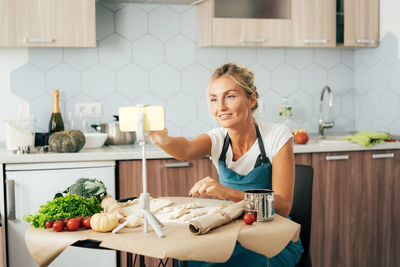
(87, 188)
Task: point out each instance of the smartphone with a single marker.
(154, 118)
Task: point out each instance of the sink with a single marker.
(326, 140)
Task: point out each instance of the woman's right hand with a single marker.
(208, 186)
(159, 138)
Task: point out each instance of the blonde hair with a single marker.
(242, 76)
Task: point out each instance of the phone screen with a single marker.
(154, 118)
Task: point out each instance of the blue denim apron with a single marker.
(258, 178)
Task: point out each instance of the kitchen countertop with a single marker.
(130, 152)
(121, 152)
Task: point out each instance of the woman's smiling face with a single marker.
(229, 103)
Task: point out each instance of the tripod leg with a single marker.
(128, 220)
(153, 222)
(158, 221)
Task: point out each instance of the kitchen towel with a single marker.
(367, 138)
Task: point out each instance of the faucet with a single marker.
(322, 124)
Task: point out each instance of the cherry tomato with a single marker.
(58, 225)
(49, 224)
(80, 221)
(249, 218)
(86, 223)
(73, 224)
(301, 138)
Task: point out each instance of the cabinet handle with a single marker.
(339, 157)
(383, 156)
(315, 41)
(365, 41)
(178, 165)
(11, 199)
(39, 40)
(253, 40)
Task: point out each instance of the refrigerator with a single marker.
(28, 186)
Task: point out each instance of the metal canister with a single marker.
(261, 203)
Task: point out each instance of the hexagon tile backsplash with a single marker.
(147, 54)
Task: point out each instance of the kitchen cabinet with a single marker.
(378, 209)
(2, 250)
(239, 23)
(165, 177)
(361, 23)
(314, 23)
(2, 222)
(298, 23)
(28, 186)
(302, 158)
(356, 207)
(334, 212)
(47, 23)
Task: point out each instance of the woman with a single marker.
(246, 153)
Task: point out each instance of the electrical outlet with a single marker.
(92, 110)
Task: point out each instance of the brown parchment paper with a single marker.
(267, 238)
(45, 245)
(179, 243)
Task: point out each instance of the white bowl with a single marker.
(95, 140)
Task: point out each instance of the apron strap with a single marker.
(225, 147)
(261, 159)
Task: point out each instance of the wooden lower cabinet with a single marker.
(379, 209)
(356, 202)
(334, 211)
(302, 158)
(165, 177)
(2, 248)
(356, 209)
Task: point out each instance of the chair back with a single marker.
(301, 209)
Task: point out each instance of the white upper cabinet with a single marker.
(314, 23)
(361, 23)
(245, 23)
(289, 23)
(47, 23)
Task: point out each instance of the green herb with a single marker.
(68, 206)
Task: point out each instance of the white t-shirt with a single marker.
(274, 136)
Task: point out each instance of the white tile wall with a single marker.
(147, 54)
(377, 85)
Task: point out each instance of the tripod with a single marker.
(144, 199)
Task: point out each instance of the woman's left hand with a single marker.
(209, 186)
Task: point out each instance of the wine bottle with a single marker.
(56, 123)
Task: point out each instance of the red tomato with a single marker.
(86, 223)
(58, 225)
(301, 138)
(49, 224)
(80, 221)
(73, 224)
(249, 218)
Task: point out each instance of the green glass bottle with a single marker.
(56, 123)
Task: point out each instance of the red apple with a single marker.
(301, 138)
